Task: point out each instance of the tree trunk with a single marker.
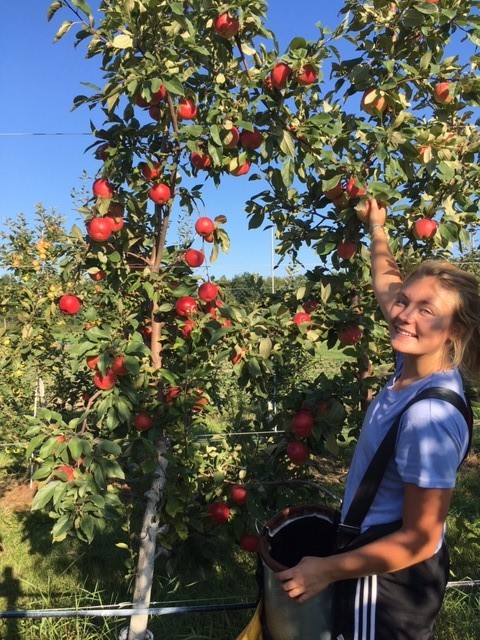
(148, 547)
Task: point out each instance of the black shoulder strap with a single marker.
(372, 478)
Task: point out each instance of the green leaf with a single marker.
(44, 495)
(75, 446)
(53, 8)
(60, 529)
(286, 144)
(287, 173)
(65, 28)
(173, 85)
(83, 6)
(297, 43)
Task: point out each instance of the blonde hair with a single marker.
(465, 348)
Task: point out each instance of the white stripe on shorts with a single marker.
(365, 608)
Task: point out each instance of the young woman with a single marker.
(392, 588)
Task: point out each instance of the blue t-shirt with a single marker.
(431, 443)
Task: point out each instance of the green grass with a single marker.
(34, 574)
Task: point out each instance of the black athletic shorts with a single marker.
(402, 605)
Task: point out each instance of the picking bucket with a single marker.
(308, 530)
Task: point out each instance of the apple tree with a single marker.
(196, 92)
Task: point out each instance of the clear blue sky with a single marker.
(39, 80)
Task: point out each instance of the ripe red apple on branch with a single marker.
(251, 139)
(194, 258)
(187, 327)
(239, 493)
(92, 362)
(373, 102)
(69, 305)
(350, 335)
(200, 160)
(160, 193)
(204, 226)
(442, 93)
(226, 26)
(207, 292)
(346, 249)
(219, 512)
(249, 542)
(67, 470)
(425, 228)
(143, 421)
(238, 169)
(307, 75)
(105, 382)
(100, 229)
(102, 188)
(150, 171)
(297, 452)
(280, 74)
(118, 367)
(230, 137)
(301, 318)
(186, 306)
(335, 192)
(302, 424)
(187, 109)
(355, 189)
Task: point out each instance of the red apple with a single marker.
(297, 452)
(308, 75)
(118, 367)
(251, 139)
(69, 305)
(101, 151)
(143, 421)
(100, 229)
(219, 512)
(207, 291)
(310, 305)
(106, 381)
(373, 102)
(160, 193)
(140, 101)
(171, 394)
(102, 188)
(159, 95)
(425, 229)
(346, 249)
(187, 110)
(302, 424)
(280, 74)
(98, 276)
(200, 160)
(204, 226)
(150, 171)
(186, 306)
(230, 137)
(350, 335)
(186, 328)
(239, 493)
(201, 401)
(226, 26)
(301, 318)
(67, 470)
(194, 258)
(334, 192)
(117, 223)
(239, 169)
(249, 542)
(355, 189)
(441, 93)
(209, 238)
(92, 362)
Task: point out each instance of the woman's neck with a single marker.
(415, 369)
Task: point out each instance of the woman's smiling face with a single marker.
(421, 320)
